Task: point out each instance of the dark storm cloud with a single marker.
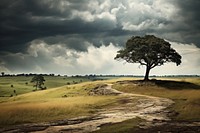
(190, 11)
(36, 34)
(23, 21)
(184, 26)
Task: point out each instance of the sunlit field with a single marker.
(71, 101)
(21, 84)
(51, 105)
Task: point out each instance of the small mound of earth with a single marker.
(103, 89)
(137, 82)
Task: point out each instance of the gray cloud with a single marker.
(78, 25)
(55, 58)
(190, 12)
(23, 21)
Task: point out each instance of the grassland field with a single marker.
(22, 84)
(185, 92)
(61, 101)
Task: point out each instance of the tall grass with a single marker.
(16, 112)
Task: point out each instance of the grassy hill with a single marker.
(21, 84)
(185, 92)
(53, 104)
(73, 100)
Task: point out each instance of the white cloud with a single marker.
(145, 25)
(87, 16)
(105, 5)
(44, 58)
(97, 58)
(84, 15)
(144, 15)
(107, 15)
(190, 61)
(95, 10)
(115, 10)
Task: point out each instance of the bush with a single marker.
(44, 88)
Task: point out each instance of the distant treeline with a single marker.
(94, 75)
(27, 75)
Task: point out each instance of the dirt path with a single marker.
(150, 108)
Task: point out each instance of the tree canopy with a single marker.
(149, 51)
(38, 80)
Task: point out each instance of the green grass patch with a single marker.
(21, 84)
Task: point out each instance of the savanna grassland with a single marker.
(61, 101)
(185, 92)
(22, 84)
(57, 103)
(51, 105)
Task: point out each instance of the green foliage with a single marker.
(38, 80)
(149, 51)
(2, 74)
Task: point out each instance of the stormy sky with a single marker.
(82, 36)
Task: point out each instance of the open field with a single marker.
(21, 84)
(50, 105)
(71, 101)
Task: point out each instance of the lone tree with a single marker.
(38, 80)
(149, 51)
(2, 74)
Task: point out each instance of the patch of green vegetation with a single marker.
(21, 84)
(127, 126)
(9, 84)
(184, 91)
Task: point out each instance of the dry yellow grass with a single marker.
(50, 109)
(50, 105)
(186, 96)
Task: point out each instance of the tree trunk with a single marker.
(146, 77)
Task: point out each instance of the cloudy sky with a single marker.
(83, 36)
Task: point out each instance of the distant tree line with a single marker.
(90, 76)
(24, 74)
